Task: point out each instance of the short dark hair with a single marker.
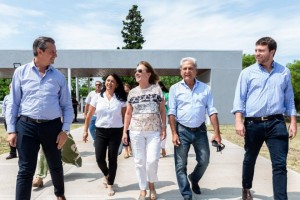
(154, 77)
(41, 43)
(267, 41)
(119, 91)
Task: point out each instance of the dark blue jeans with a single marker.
(30, 137)
(274, 133)
(199, 141)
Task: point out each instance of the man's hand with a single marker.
(240, 128)
(61, 139)
(216, 137)
(12, 139)
(292, 130)
(175, 139)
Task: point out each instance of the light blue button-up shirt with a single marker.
(260, 93)
(190, 106)
(39, 97)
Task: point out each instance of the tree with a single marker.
(248, 59)
(168, 81)
(4, 87)
(132, 36)
(132, 30)
(295, 76)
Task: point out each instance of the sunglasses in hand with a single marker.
(220, 147)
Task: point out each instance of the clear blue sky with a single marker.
(169, 24)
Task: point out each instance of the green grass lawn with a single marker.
(293, 162)
(4, 148)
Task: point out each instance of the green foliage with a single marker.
(130, 80)
(168, 81)
(82, 84)
(295, 73)
(4, 87)
(248, 59)
(132, 30)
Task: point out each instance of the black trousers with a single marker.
(30, 136)
(108, 139)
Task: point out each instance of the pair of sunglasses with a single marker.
(220, 147)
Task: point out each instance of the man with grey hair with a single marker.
(189, 101)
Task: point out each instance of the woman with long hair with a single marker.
(109, 106)
(146, 118)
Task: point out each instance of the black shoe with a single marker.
(195, 186)
(11, 156)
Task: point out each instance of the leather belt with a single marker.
(266, 118)
(38, 121)
(192, 129)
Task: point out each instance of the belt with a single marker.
(38, 121)
(192, 129)
(266, 118)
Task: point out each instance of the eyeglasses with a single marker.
(138, 71)
(220, 147)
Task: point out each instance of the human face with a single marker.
(111, 83)
(141, 74)
(98, 86)
(127, 89)
(262, 55)
(48, 56)
(188, 71)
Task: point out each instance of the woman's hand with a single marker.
(163, 134)
(85, 136)
(124, 138)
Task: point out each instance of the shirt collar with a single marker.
(32, 65)
(262, 67)
(184, 84)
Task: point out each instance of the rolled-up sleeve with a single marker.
(13, 103)
(172, 104)
(210, 109)
(240, 95)
(66, 106)
(289, 98)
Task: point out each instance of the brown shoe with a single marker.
(163, 153)
(37, 182)
(61, 198)
(247, 194)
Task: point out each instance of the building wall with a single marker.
(222, 67)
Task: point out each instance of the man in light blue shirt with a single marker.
(263, 94)
(189, 101)
(39, 112)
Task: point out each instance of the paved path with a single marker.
(222, 179)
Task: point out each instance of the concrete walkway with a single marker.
(222, 179)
